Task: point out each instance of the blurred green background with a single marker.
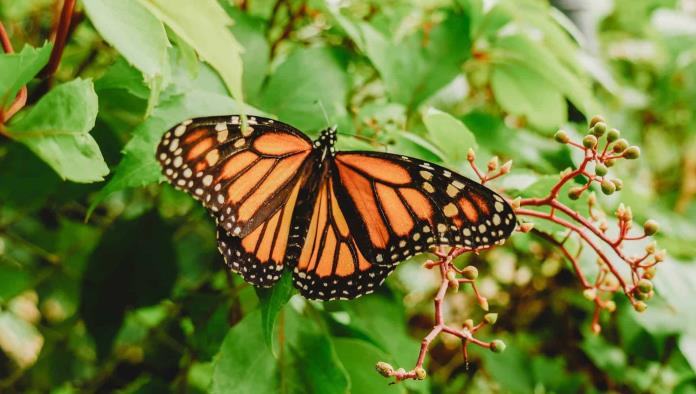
(136, 299)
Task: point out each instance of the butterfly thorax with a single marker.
(325, 142)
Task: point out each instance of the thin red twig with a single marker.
(61, 37)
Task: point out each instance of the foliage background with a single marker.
(136, 298)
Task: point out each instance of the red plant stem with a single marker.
(61, 37)
(584, 236)
(21, 98)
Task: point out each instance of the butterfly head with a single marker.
(326, 140)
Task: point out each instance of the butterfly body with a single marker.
(341, 221)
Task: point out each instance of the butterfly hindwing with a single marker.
(242, 175)
(327, 261)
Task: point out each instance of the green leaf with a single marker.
(204, 25)
(20, 340)
(251, 32)
(357, 357)
(13, 280)
(307, 78)
(449, 134)
(520, 51)
(139, 166)
(57, 130)
(245, 364)
(522, 91)
(126, 270)
(17, 69)
(137, 35)
(315, 361)
(272, 302)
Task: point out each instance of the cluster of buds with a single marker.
(604, 152)
(451, 279)
(494, 169)
(602, 148)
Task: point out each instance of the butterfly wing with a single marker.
(242, 175)
(327, 261)
(399, 206)
(260, 256)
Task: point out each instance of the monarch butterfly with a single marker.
(341, 220)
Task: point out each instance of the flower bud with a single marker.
(590, 294)
(618, 183)
(483, 302)
(649, 273)
(526, 227)
(497, 346)
(650, 227)
(420, 373)
(597, 119)
(599, 129)
(490, 318)
(469, 324)
(645, 286)
(575, 192)
(507, 166)
(640, 306)
(453, 282)
(610, 306)
(660, 255)
(609, 162)
(620, 145)
(613, 135)
(470, 272)
(471, 155)
(515, 204)
(562, 137)
(589, 142)
(608, 187)
(641, 296)
(601, 169)
(603, 226)
(651, 247)
(633, 152)
(592, 198)
(384, 369)
(493, 163)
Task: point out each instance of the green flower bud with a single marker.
(640, 306)
(596, 119)
(642, 296)
(632, 152)
(650, 227)
(469, 324)
(420, 373)
(609, 162)
(384, 369)
(601, 169)
(608, 187)
(620, 145)
(497, 346)
(575, 192)
(490, 318)
(649, 272)
(599, 129)
(590, 294)
(589, 141)
(470, 272)
(618, 183)
(562, 137)
(613, 135)
(645, 286)
(610, 306)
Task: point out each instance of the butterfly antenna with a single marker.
(323, 111)
(369, 140)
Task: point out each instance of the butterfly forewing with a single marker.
(242, 175)
(404, 205)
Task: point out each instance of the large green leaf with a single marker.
(17, 69)
(306, 80)
(357, 355)
(522, 91)
(204, 25)
(57, 130)
(245, 364)
(449, 134)
(139, 37)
